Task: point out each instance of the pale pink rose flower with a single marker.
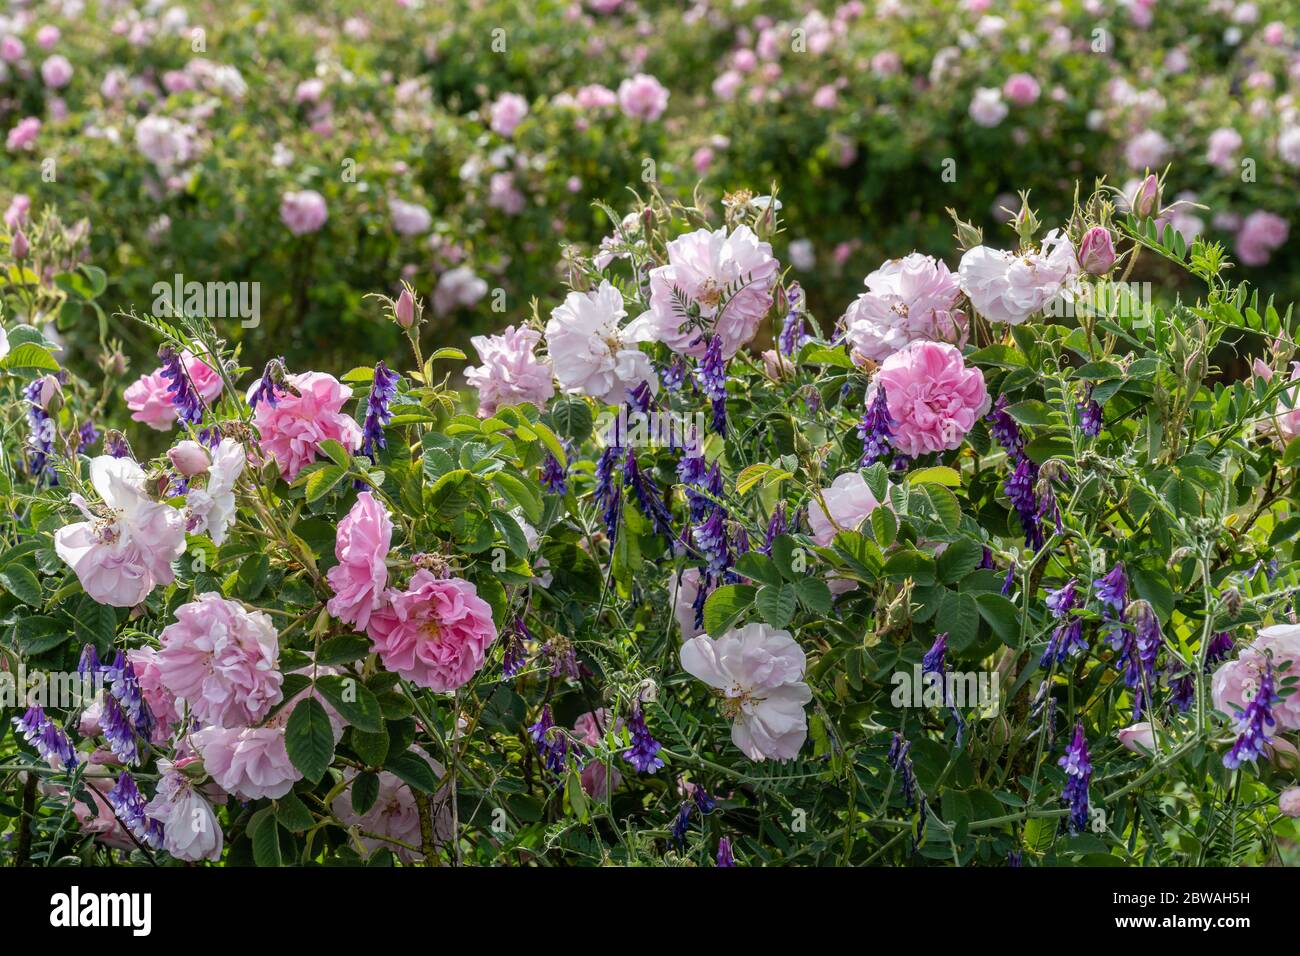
(1010, 287)
(361, 576)
(759, 670)
(17, 211)
(589, 351)
(435, 633)
(223, 660)
(907, 299)
(56, 71)
(249, 762)
(1288, 802)
(642, 97)
(408, 218)
(23, 134)
(503, 194)
(165, 142)
(190, 827)
(119, 559)
(596, 97)
(149, 397)
(101, 821)
(849, 501)
(702, 267)
(1021, 89)
(303, 211)
(727, 85)
(1261, 233)
(47, 36)
(886, 63)
(598, 779)
(1147, 150)
(395, 814)
(161, 701)
(507, 111)
(510, 373)
(458, 288)
(11, 48)
(932, 396)
(294, 427)
(210, 507)
(1139, 738)
(1236, 682)
(1222, 147)
(987, 108)
(189, 458)
(685, 589)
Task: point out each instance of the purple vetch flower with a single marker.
(608, 491)
(554, 477)
(725, 857)
(712, 375)
(88, 665)
(382, 392)
(516, 649)
(115, 445)
(1112, 589)
(40, 436)
(129, 806)
(211, 436)
(986, 560)
(647, 495)
(934, 662)
(87, 435)
(876, 429)
(776, 527)
(1252, 723)
(124, 686)
(1005, 430)
(119, 733)
(1219, 650)
(682, 824)
(1019, 487)
(564, 659)
(792, 328)
(643, 754)
(552, 743)
(1182, 692)
(1078, 770)
(1009, 582)
(675, 374)
(1064, 599)
(899, 760)
(50, 742)
(704, 801)
(271, 382)
(711, 539)
(1067, 639)
(183, 395)
(1089, 415)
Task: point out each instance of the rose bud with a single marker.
(50, 394)
(1097, 251)
(404, 309)
(189, 458)
(1138, 734)
(19, 245)
(1288, 802)
(1146, 201)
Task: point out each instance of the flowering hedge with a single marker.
(996, 567)
(448, 144)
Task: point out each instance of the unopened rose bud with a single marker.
(1283, 755)
(1146, 201)
(404, 309)
(189, 458)
(50, 394)
(1138, 738)
(19, 245)
(1097, 251)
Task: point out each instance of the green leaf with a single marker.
(884, 525)
(372, 748)
(959, 559)
(36, 635)
(1001, 616)
(725, 605)
(322, 480)
(522, 494)
(758, 567)
(29, 355)
(776, 604)
(814, 594)
(293, 814)
(353, 700)
(365, 791)
(572, 419)
(309, 738)
(336, 452)
(265, 834)
(946, 507)
(959, 616)
(1031, 412)
(22, 584)
(910, 563)
(343, 650)
(414, 771)
(449, 495)
(939, 475)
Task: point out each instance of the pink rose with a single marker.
(849, 501)
(1222, 147)
(223, 660)
(435, 633)
(303, 212)
(23, 134)
(249, 762)
(360, 577)
(908, 299)
(190, 829)
(642, 97)
(508, 111)
(685, 590)
(597, 778)
(933, 398)
(161, 701)
(149, 398)
(294, 427)
(510, 373)
(189, 458)
(1236, 682)
(1010, 287)
(1021, 89)
(1261, 233)
(701, 265)
(395, 815)
(1288, 802)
